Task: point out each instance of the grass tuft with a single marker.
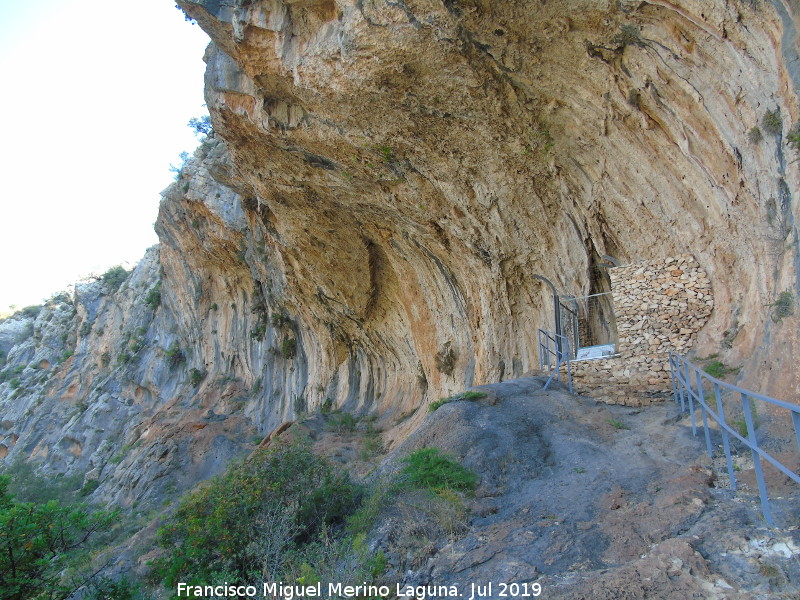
(432, 469)
(469, 395)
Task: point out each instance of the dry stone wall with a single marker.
(659, 306)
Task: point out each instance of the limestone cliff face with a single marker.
(383, 181)
(409, 165)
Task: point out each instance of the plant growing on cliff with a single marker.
(717, 369)
(342, 422)
(289, 348)
(617, 424)
(793, 138)
(635, 98)
(196, 376)
(201, 126)
(446, 359)
(754, 136)
(153, 297)
(114, 278)
(263, 517)
(31, 312)
(185, 15)
(628, 35)
(175, 356)
(772, 122)
(105, 588)
(783, 307)
(259, 331)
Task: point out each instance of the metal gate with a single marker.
(588, 321)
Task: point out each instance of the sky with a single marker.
(94, 104)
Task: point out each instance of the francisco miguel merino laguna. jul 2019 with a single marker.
(282, 591)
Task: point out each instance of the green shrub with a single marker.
(89, 487)
(196, 376)
(153, 297)
(201, 126)
(741, 424)
(371, 444)
(793, 137)
(289, 348)
(629, 35)
(617, 424)
(717, 369)
(783, 307)
(31, 312)
(175, 356)
(121, 454)
(635, 98)
(39, 541)
(259, 331)
(754, 136)
(86, 328)
(27, 485)
(279, 320)
(431, 468)
(104, 588)
(342, 422)
(772, 122)
(114, 278)
(262, 517)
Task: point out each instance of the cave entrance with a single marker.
(589, 323)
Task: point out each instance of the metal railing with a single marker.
(553, 353)
(686, 392)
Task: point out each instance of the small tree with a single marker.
(255, 518)
(36, 541)
(114, 277)
(201, 126)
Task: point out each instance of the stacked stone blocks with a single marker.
(659, 306)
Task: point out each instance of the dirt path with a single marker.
(592, 501)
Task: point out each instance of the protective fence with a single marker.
(690, 384)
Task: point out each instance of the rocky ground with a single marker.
(588, 500)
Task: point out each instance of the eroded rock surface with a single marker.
(590, 501)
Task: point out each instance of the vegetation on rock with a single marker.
(431, 468)
(114, 278)
(276, 516)
(40, 540)
(772, 122)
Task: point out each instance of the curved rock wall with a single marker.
(384, 180)
(410, 165)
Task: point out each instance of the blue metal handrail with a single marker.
(683, 372)
(555, 346)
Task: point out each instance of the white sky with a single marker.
(94, 102)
